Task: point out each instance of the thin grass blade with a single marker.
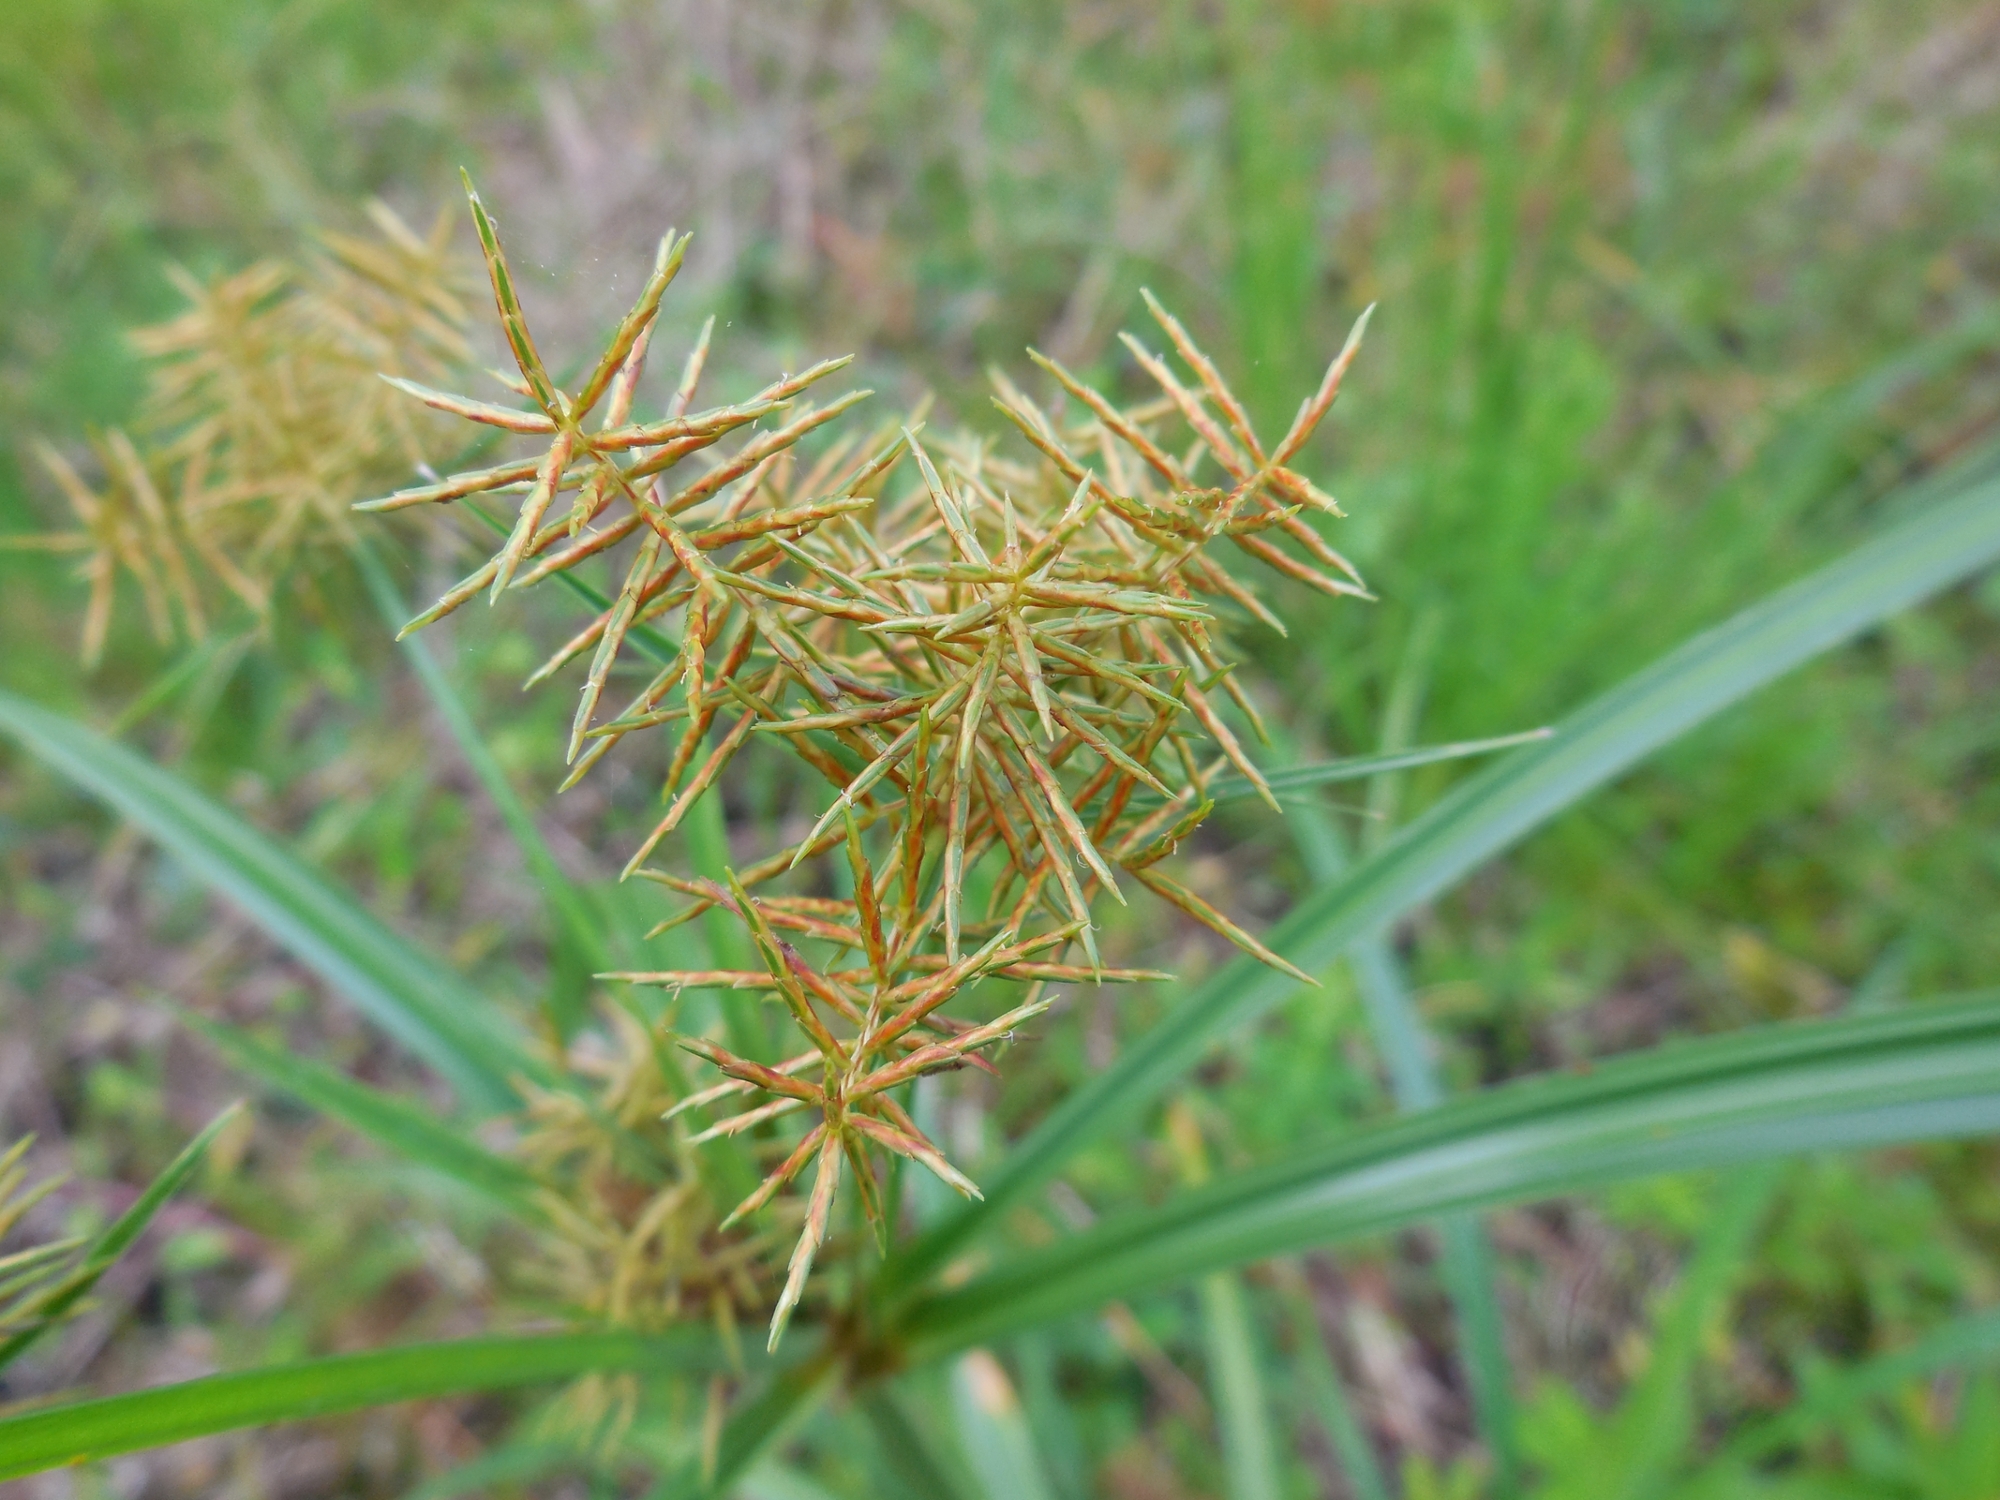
(1236, 1385)
(426, 1007)
(89, 1430)
(993, 1431)
(1925, 1072)
(409, 1130)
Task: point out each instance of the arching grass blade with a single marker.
(1926, 1072)
(1294, 781)
(417, 1000)
(407, 1129)
(88, 1430)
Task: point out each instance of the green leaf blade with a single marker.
(1250, 1463)
(1780, 1090)
(410, 1131)
(572, 913)
(1293, 781)
(88, 1430)
(417, 1000)
(993, 1431)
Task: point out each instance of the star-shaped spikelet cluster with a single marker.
(263, 419)
(1014, 667)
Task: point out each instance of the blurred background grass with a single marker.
(1670, 294)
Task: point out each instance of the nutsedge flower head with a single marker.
(1008, 666)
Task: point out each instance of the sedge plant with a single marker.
(1008, 672)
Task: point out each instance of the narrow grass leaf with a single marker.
(514, 1463)
(409, 1130)
(1467, 1261)
(993, 1431)
(1330, 1407)
(756, 1428)
(1964, 1342)
(1292, 780)
(1925, 1072)
(1397, 1029)
(87, 1430)
(576, 924)
(426, 1007)
(773, 1481)
(912, 1446)
(1236, 1386)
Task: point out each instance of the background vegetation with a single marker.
(1670, 297)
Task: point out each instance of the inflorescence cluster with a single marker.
(996, 665)
(262, 421)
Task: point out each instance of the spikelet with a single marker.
(30, 1279)
(264, 417)
(1010, 666)
(272, 374)
(633, 1237)
(126, 526)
